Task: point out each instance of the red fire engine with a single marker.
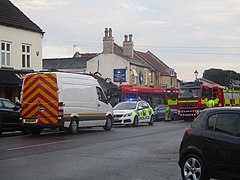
(193, 97)
(154, 96)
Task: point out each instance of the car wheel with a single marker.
(36, 131)
(135, 121)
(108, 125)
(193, 167)
(175, 117)
(151, 121)
(73, 128)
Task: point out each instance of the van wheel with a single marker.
(151, 121)
(36, 131)
(135, 121)
(193, 167)
(25, 131)
(73, 128)
(108, 125)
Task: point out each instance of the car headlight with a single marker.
(128, 114)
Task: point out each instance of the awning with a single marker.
(134, 72)
(11, 77)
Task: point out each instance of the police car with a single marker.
(133, 113)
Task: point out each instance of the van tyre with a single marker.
(25, 131)
(73, 128)
(151, 121)
(135, 121)
(193, 167)
(108, 125)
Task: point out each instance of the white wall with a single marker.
(108, 62)
(17, 37)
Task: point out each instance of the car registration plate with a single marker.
(30, 120)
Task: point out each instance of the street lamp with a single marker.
(196, 74)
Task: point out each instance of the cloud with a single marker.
(155, 24)
(152, 22)
(40, 4)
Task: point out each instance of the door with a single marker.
(103, 106)
(11, 115)
(40, 99)
(222, 143)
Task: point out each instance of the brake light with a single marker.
(60, 109)
(187, 131)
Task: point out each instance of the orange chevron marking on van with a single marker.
(40, 98)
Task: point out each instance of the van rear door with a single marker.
(40, 99)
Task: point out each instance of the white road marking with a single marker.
(38, 145)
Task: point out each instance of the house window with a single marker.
(145, 77)
(171, 81)
(5, 53)
(134, 76)
(26, 55)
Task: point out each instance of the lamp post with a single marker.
(196, 74)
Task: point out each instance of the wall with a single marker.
(105, 63)
(17, 37)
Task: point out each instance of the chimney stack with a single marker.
(108, 42)
(128, 46)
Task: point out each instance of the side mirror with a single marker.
(16, 108)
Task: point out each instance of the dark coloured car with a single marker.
(9, 116)
(160, 112)
(210, 147)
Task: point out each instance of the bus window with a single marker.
(158, 99)
(146, 97)
(154, 99)
(131, 97)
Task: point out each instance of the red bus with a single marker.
(153, 96)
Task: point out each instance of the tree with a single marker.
(222, 77)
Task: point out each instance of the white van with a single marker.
(64, 101)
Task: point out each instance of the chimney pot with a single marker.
(110, 32)
(130, 37)
(106, 32)
(126, 38)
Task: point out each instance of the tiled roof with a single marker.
(153, 61)
(145, 59)
(11, 16)
(79, 61)
(136, 61)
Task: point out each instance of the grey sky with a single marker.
(185, 34)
